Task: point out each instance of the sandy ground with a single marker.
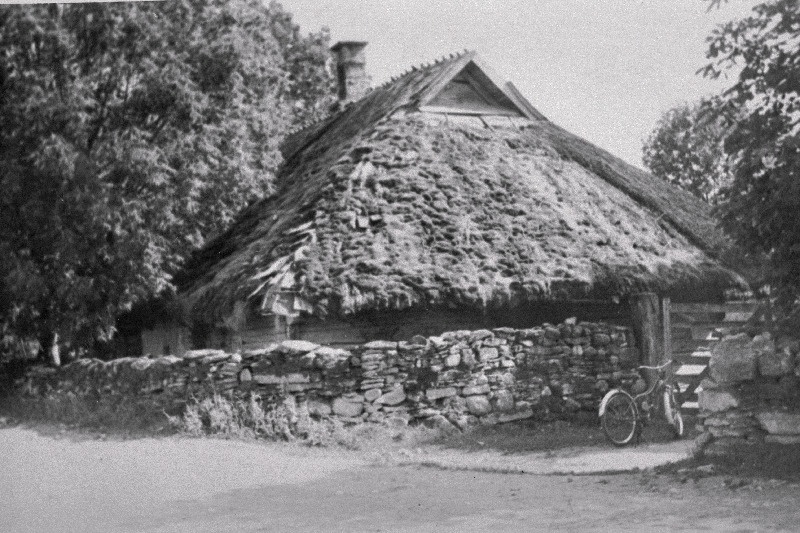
(74, 482)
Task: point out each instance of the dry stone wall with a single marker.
(459, 378)
(752, 394)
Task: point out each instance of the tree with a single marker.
(686, 148)
(132, 132)
(763, 146)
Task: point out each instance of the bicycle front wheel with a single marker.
(619, 420)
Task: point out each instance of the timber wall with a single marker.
(261, 331)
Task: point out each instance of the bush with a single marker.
(244, 417)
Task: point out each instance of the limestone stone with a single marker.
(380, 345)
(436, 394)
(393, 397)
(488, 353)
(601, 339)
(733, 359)
(438, 343)
(519, 414)
(552, 333)
(479, 405)
(327, 358)
(215, 358)
(297, 346)
(714, 401)
(376, 417)
(772, 362)
(245, 376)
(457, 404)
(372, 395)
(468, 357)
(307, 361)
(319, 408)
(503, 401)
(343, 407)
(480, 334)
(192, 355)
(782, 439)
(141, 364)
(353, 397)
(779, 422)
(441, 423)
(459, 421)
(572, 405)
(473, 390)
(454, 359)
(419, 340)
(267, 379)
(710, 384)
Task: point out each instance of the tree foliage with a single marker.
(130, 133)
(687, 148)
(763, 145)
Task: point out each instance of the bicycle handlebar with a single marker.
(660, 367)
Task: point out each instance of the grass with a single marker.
(115, 413)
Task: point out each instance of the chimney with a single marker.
(351, 75)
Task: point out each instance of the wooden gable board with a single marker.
(472, 88)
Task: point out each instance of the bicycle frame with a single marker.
(640, 406)
(658, 386)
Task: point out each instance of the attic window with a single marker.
(472, 92)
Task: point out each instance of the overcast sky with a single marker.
(604, 69)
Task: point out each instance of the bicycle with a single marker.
(623, 416)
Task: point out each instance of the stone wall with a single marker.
(752, 394)
(460, 378)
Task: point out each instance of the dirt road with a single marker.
(70, 482)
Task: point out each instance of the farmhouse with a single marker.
(441, 200)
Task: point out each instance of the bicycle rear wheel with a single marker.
(672, 410)
(619, 421)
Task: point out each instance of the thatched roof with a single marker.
(382, 207)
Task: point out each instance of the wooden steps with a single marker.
(690, 333)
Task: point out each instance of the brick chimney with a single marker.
(351, 74)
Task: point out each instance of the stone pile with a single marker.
(457, 379)
(752, 394)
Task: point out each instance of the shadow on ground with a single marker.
(529, 436)
(738, 463)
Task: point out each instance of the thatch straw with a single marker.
(399, 212)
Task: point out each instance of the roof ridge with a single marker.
(393, 79)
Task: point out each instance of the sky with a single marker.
(603, 69)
